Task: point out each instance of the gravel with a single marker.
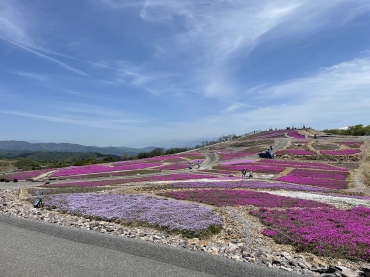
(240, 238)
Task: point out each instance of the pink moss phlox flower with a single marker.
(296, 135)
(247, 184)
(242, 198)
(169, 214)
(299, 164)
(89, 169)
(269, 134)
(326, 183)
(253, 167)
(340, 152)
(325, 231)
(29, 174)
(319, 174)
(235, 155)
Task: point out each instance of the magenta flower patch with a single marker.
(323, 231)
(242, 198)
(89, 169)
(297, 164)
(270, 134)
(334, 175)
(252, 167)
(235, 155)
(340, 152)
(30, 174)
(246, 184)
(326, 183)
(296, 135)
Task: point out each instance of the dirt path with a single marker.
(358, 178)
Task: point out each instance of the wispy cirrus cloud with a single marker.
(119, 4)
(83, 115)
(34, 76)
(213, 38)
(332, 97)
(15, 29)
(13, 24)
(60, 63)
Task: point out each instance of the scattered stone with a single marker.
(238, 241)
(366, 271)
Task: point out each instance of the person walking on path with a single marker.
(244, 172)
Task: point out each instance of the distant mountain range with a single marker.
(178, 143)
(13, 145)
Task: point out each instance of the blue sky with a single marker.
(129, 73)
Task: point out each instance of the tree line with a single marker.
(356, 130)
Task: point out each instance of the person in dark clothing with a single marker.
(244, 172)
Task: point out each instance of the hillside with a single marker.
(199, 200)
(13, 145)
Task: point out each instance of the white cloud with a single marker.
(99, 112)
(35, 76)
(213, 36)
(335, 96)
(338, 83)
(13, 25)
(75, 119)
(120, 4)
(17, 24)
(62, 64)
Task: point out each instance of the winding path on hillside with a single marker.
(210, 161)
(282, 143)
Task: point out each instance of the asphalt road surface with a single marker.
(282, 142)
(210, 161)
(35, 248)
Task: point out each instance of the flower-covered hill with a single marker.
(311, 200)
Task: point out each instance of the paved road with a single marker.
(33, 248)
(11, 185)
(210, 161)
(281, 143)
